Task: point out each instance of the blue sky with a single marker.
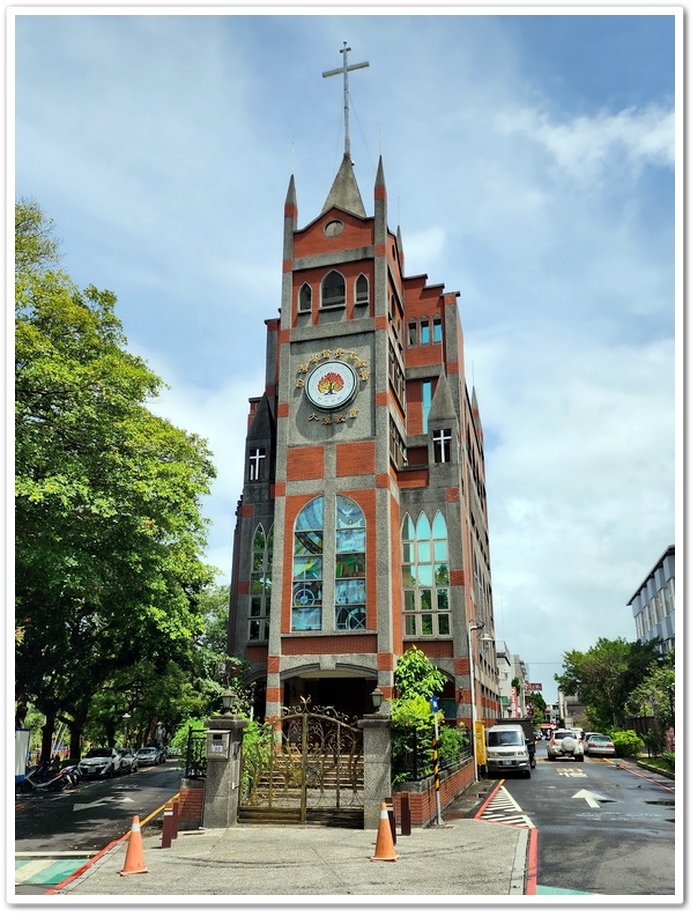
(529, 158)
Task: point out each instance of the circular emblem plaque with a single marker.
(331, 384)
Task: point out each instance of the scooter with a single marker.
(72, 774)
(49, 779)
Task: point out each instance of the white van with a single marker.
(506, 750)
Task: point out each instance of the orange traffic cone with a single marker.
(384, 850)
(135, 857)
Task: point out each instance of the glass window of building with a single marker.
(333, 290)
(425, 577)
(260, 584)
(350, 592)
(308, 556)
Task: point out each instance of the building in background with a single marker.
(512, 683)
(362, 528)
(653, 603)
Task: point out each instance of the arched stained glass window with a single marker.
(350, 593)
(260, 584)
(425, 576)
(307, 575)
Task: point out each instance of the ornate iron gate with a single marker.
(309, 767)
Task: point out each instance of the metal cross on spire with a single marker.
(344, 70)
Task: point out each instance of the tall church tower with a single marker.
(362, 527)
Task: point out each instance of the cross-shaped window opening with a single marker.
(442, 439)
(257, 462)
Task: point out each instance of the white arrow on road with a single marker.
(104, 801)
(590, 798)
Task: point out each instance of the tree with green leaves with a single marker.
(416, 676)
(417, 680)
(539, 704)
(605, 676)
(108, 526)
(654, 697)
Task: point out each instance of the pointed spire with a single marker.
(344, 191)
(475, 414)
(442, 407)
(291, 198)
(379, 180)
(289, 222)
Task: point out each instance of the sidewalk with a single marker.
(464, 858)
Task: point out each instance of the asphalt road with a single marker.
(55, 833)
(603, 827)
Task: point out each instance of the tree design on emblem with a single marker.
(331, 383)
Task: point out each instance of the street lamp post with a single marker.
(472, 689)
(126, 719)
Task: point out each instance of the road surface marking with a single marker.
(503, 809)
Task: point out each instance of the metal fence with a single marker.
(196, 764)
(413, 753)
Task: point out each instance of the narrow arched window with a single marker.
(333, 290)
(260, 584)
(425, 331)
(307, 574)
(362, 290)
(437, 330)
(305, 298)
(350, 590)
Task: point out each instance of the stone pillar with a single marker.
(377, 753)
(224, 746)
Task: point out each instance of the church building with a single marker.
(362, 526)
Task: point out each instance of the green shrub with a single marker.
(627, 743)
(257, 747)
(452, 745)
(179, 739)
(668, 759)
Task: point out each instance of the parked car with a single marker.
(565, 743)
(149, 756)
(129, 762)
(586, 736)
(599, 746)
(100, 763)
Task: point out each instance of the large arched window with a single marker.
(333, 289)
(350, 566)
(425, 577)
(260, 584)
(307, 574)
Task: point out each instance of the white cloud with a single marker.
(586, 148)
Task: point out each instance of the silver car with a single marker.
(597, 745)
(148, 756)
